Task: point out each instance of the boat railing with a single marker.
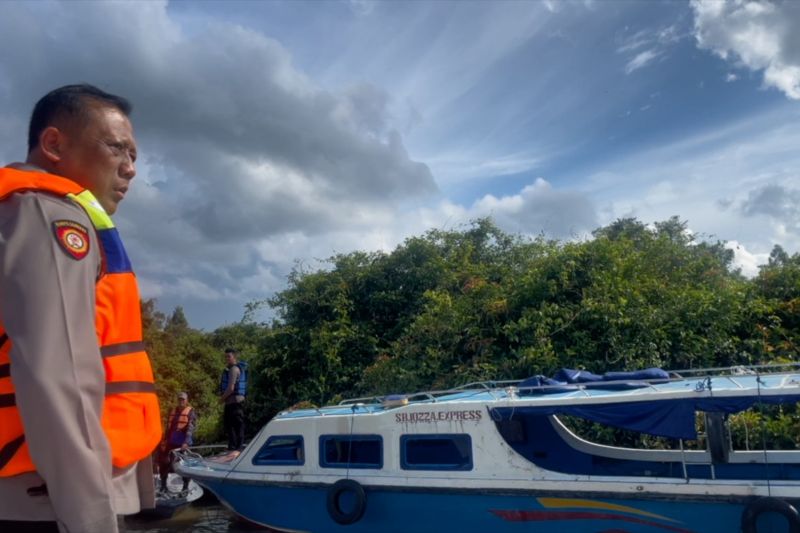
(422, 396)
(500, 389)
(207, 449)
(736, 370)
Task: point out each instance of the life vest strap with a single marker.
(121, 348)
(117, 387)
(5, 370)
(121, 387)
(8, 451)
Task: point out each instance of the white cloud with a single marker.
(461, 166)
(745, 260)
(735, 183)
(642, 59)
(540, 209)
(645, 46)
(760, 35)
(638, 40)
(237, 145)
(249, 162)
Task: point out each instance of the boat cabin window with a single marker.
(436, 452)
(351, 451)
(281, 450)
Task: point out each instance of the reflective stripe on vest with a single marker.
(131, 418)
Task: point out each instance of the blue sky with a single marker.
(275, 134)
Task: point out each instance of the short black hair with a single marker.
(72, 101)
(231, 350)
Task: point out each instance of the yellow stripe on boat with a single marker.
(551, 503)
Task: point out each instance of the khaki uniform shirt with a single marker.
(47, 304)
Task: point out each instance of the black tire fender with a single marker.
(334, 505)
(769, 505)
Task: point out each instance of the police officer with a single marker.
(78, 412)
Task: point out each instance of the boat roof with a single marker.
(664, 406)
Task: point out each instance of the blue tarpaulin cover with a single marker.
(664, 418)
(674, 418)
(608, 381)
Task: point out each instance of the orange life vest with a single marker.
(131, 419)
(179, 419)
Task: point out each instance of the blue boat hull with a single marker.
(388, 510)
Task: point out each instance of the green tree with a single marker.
(475, 303)
(183, 360)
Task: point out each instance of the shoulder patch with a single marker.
(72, 237)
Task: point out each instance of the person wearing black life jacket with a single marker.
(232, 390)
(180, 428)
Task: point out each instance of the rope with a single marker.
(350, 441)
(763, 433)
(186, 457)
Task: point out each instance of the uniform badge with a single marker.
(73, 238)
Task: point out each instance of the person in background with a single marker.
(232, 390)
(79, 415)
(180, 428)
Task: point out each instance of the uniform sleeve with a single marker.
(47, 303)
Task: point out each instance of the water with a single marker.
(198, 517)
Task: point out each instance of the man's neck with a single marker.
(26, 166)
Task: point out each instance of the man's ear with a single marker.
(51, 143)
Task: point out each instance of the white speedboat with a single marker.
(496, 457)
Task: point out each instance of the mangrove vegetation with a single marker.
(476, 303)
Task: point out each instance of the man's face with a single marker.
(230, 359)
(101, 155)
(182, 401)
